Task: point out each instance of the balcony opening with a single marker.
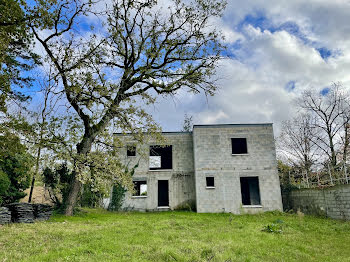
(161, 157)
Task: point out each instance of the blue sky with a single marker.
(276, 49)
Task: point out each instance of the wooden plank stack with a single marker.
(22, 212)
(5, 215)
(42, 211)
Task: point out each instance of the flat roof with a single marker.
(168, 133)
(208, 126)
(232, 125)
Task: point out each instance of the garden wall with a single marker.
(333, 202)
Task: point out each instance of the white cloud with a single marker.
(253, 87)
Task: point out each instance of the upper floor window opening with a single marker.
(239, 146)
(161, 157)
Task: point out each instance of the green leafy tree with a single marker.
(4, 185)
(16, 164)
(16, 56)
(143, 51)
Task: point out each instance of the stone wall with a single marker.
(333, 202)
(213, 157)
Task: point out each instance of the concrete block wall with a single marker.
(206, 152)
(213, 157)
(333, 202)
(180, 177)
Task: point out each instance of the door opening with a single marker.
(163, 193)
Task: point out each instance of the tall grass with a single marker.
(98, 235)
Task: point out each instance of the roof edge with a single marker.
(169, 133)
(206, 126)
(231, 125)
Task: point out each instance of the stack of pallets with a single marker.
(42, 211)
(22, 212)
(5, 215)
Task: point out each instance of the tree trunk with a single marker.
(35, 174)
(72, 197)
(31, 189)
(83, 148)
(333, 155)
(346, 143)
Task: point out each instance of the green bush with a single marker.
(90, 198)
(59, 180)
(186, 206)
(275, 227)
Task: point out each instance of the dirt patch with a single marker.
(40, 195)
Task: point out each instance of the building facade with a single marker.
(216, 168)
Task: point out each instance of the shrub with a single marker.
(90, 198)
(186, 206)
(118, 194)
(274, 227)
(59, 180)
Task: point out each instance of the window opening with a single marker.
(140, 188)
(131, 150)
(239, 146)
(210, 181)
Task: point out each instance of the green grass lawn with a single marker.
(99, 235)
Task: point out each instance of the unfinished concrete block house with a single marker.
(220, 168)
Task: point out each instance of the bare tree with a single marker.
(188, 123)
(143, 51)
(38, 138)
(344, 132)
(296, 142)
(331, 117)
